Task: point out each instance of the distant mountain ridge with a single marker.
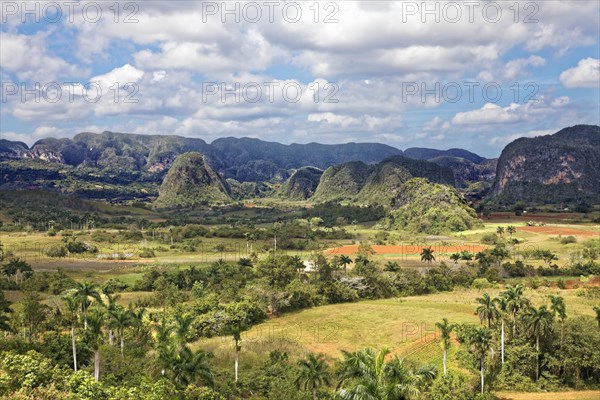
(242, 159)
(421, 153)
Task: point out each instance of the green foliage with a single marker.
(452, 386)
(191, 181)
(431, 208)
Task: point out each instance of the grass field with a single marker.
(405, 325)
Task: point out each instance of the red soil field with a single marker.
(529, 217)
(556, 230)
(406, 249)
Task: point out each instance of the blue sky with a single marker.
(189, 68)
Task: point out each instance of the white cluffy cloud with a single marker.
(585, 75)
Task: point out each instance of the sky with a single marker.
(441, 74)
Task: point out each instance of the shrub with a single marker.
(56, 251)
(481, 283)
(147, 253)
(568, 240)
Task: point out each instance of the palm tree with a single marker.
(183, 323)
(427, 255)
(364, 374)
(511, 230)
(112, 308)
(515, 302)
(188, 367)
(481, 341)
(313, 373)
(455, 257)
(83, 292)
(445, 329)
(539, 323)
(137, 323)
(72, 308)
(487, 309)
(501, 304)
(95, 323)
(120, 320)
(559, 309)
(500, 230)
(344, 261)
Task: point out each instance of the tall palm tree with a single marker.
(487, 310)
(96, 321)
(539, 324)
(120, 320)
(511, 231)
(137, 322)
(515, 302)
(481, 341)
(112, 308)
(500, 230)
(365, 374)
(84, 291)
(445, 329)
(313, 373)
(344, 261)
(501, 304)
(72, 309)
(427, 255)
(559, 309)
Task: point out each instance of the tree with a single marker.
(121, 319)
(455, 257)
(500, 230)
(391, 266)
(83, 292)
(183, 324)
(559, 309)
(96, 321)
(313, 373)
(365, 374)
(445, 329)
(539, 324)
(15, 267)
(487, 310)
(511, 231)
(597, 310)
(515, 302)
(427, 255)
(344, 261)
(188, 367)
(72, 316)
(34, 313)
(481, 341)
(4, 311)
(112, 309)
(501, 304)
